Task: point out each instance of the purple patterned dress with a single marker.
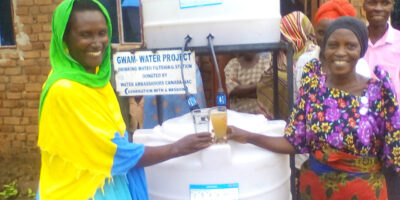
(348, 137)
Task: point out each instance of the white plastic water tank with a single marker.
(167, 22)
(255, 173)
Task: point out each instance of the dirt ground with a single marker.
(25, 171)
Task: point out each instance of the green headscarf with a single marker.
(63, 65)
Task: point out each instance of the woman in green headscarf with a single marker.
(82, 136)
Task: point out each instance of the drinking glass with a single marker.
(218, 116)
(201, 120)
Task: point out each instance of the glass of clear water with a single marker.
(201, 120)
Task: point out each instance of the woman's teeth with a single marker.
(340, 62)
(97, 53)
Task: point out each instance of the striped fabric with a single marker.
(296, 29)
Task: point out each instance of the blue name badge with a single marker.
(228, 191)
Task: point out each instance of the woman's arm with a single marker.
(275, 144)
(243, 91)
(186, 145)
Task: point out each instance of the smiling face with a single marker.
(342, 51)
(87, 38)
(378, 11)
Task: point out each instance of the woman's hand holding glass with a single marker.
(237, 134)
(192, 143)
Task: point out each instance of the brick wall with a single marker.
(23, 69)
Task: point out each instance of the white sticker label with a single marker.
(215, 192)
(198, 3)
(159, 73)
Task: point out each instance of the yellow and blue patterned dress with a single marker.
(82, 137)
(85, 151)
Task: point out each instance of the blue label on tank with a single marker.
(228, 191)
(198, 3)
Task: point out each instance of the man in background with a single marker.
(384, 50)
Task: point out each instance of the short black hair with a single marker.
(353, 24)
(82, 5)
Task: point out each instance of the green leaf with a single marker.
(9, 190)
(31, 194)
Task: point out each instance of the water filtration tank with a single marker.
(167, 22)
(222, 171)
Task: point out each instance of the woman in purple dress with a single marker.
(349, 124)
